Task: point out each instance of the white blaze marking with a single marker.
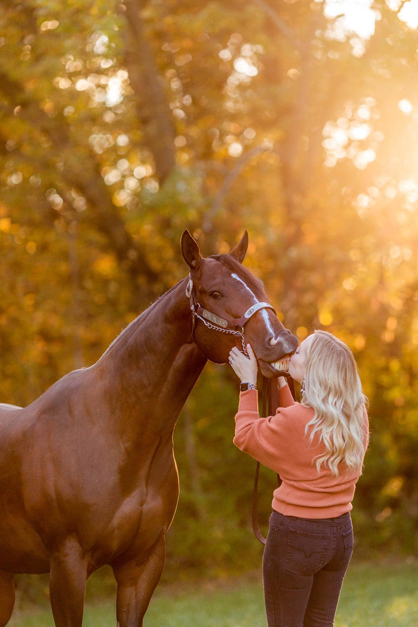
(237, 278)
(262, 311)
(267, 321)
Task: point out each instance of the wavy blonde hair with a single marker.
(332, 388)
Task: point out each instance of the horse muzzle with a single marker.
(275, 362)
(275, 369)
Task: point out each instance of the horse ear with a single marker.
(190, 250)
(240, 249)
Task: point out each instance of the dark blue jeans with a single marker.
(304, 564)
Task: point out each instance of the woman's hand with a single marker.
(245, 368)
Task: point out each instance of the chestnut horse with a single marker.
(87, 471)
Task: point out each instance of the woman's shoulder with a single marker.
(290, 422)
(297, 411)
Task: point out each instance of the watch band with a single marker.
(247, 386)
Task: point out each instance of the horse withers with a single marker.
(87, 471)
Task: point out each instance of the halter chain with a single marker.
(223, 324)
(209, 325)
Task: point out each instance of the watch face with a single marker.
(247, 386)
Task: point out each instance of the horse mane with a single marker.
(140, 318)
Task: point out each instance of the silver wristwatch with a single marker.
(247, 386)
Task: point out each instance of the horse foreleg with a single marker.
(67, 584)
(7, 596)
(136, 582)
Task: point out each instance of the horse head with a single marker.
(230, 307)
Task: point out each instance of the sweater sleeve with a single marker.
(265, 439)
(285, 396)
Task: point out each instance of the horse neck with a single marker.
(152, 366)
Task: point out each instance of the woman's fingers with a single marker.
(244, 367)
(251, 352)
(235, 353)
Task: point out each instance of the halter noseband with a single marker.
(217, 323)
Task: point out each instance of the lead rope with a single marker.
(269, 404)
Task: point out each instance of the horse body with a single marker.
(103, 474)
(87, 471)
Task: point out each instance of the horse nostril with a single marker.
(292, 344)
(273, 340)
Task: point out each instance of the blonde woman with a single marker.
(317, 446)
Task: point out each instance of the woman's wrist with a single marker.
(246, 385)
(281, 382)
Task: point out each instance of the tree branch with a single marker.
(281, 25)
(228, 182)
(151, 102)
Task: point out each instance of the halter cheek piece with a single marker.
(216, 323)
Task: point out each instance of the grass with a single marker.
(373, 596)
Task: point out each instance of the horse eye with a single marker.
(215, 295)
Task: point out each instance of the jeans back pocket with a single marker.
(306, 551)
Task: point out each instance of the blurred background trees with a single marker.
(122, 124)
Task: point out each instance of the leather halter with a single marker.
(217, 323)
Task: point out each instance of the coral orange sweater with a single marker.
(280, 443)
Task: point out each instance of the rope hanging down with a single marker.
(269, 404)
